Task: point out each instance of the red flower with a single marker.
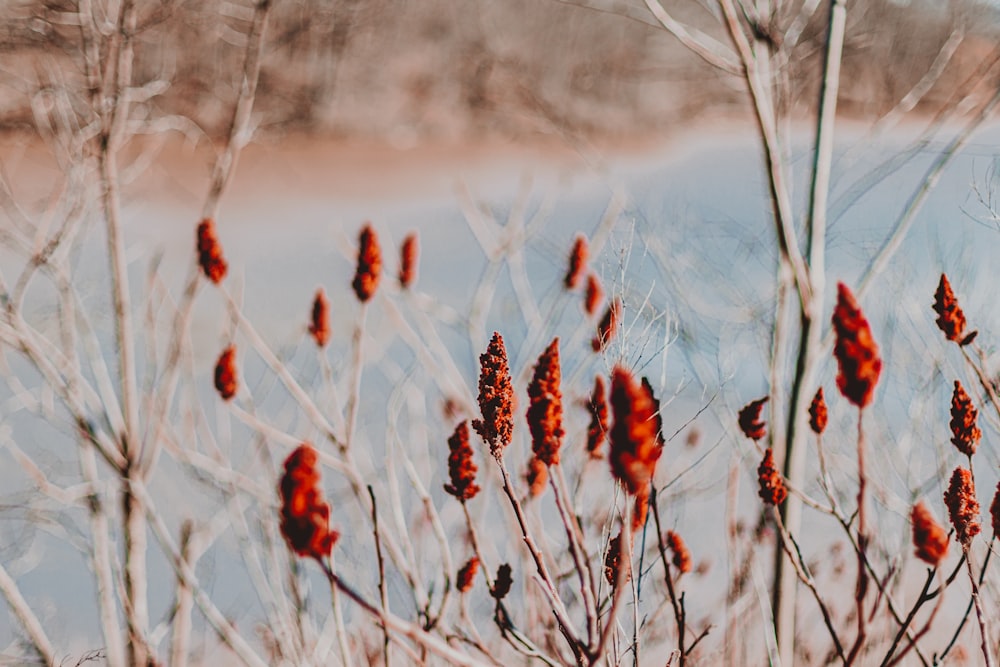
(606, 329)
(369, 265)
(963, 508)
(597, 406)
(536, 476)
(545, 410)
(613, 561)
(502, 583)
(319, 325)
(467, 575)
(640, 510)
(681, 555)
(225, 373)
(818, 416)
(305, 516)
(577, 262)
(408, 261)
(593, 295)
(461, 468)
(749, 419)
(855, 350)
(634, 436)
(951, 319)
(496, 397)
(772, 486)
(929, 538)
(210, 252)
(995, 512)
(965, 433)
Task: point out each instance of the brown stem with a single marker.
(862, 585)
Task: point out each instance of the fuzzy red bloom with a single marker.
(461, 468)
(369, 264)
(929, 538)
(657, 417)
(225, 373)
(640, 510)
(607, 326)
(818, 415)
(593, 295)
(577, 262)
(750, 421)
(305, 516)
(597, 406)
(496, 397)
(772, 486)
(951, 319)
(855, 350)
(210, 258)
(408, 254)
(681, 556)
(963, 508)
(545, 410)
(613, 561)
(502, 583)
(536, 476)
(467, 575)
(995, 512)
(634, 436)
(319, 324)
(965, 433)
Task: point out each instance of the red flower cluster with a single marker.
(210, 252)
(965, 433)
(408, 254)
(593, 295)
(461, 468)
(951, 319)
(319, 324)
(607, 326)
(818, 415)
(305, 516)
(467, 575)
(929, 538)
(634, 436)
(640, 510)
(502, 584)
(545, 410)
(597, 406)
(963, 508)
(536, 476)
(855, 350)
(681, 556)
(225, 373)
(749, 419)
(369, 265)
(772, 486)
(496, 397)
(613, 561)
(577, 262)
(995, 512)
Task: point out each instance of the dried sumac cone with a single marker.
(929, 539)
(577, 262)
(597, 406)
(681, 556)
(634, 436)
(771, 485)
(855, 349)
(545, 410)
(995, 512)
(461, 467)
(963, 508)
(657, 417)
(305, 516)
(537, 476)
(408, 254)
(607, 326)
(613, 561)
(818, 415)
(210, 258)
(749, 419)
(467, 575)
(369, 269)
(593, 296)
(496, 397)
(225, 373)
(503, 582)
(951, 319)
(319, 322)
(965, 433)
(640, 510)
